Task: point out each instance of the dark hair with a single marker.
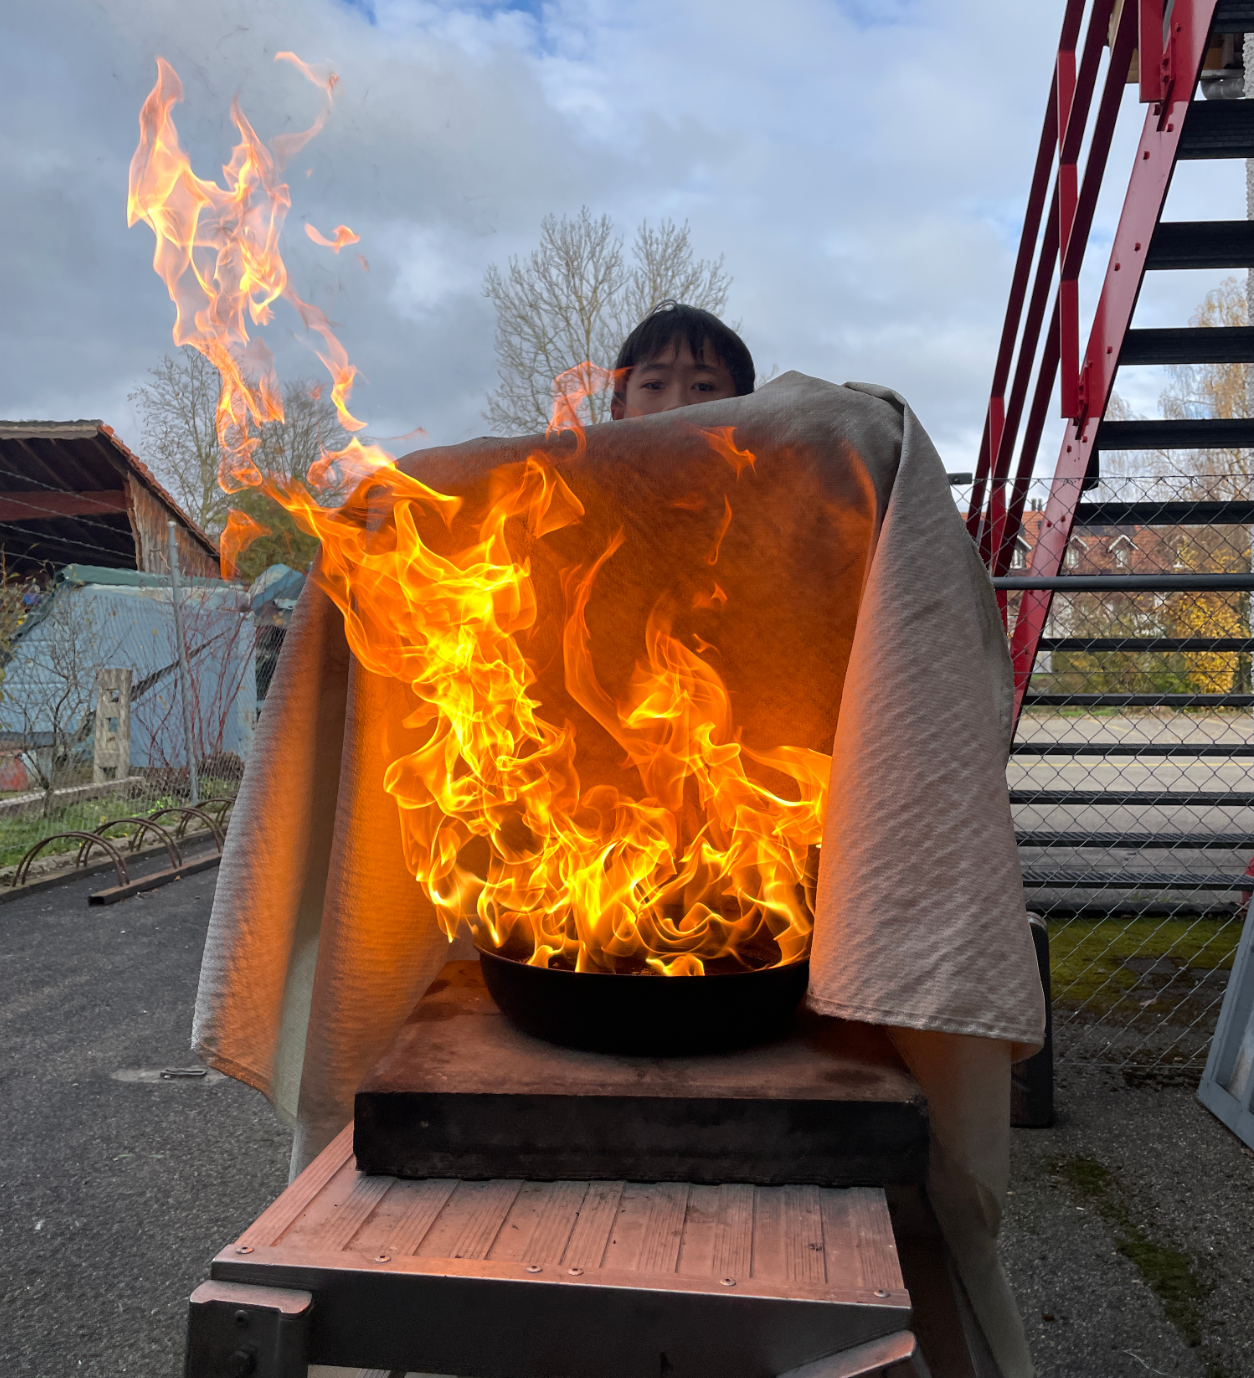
(670, 321)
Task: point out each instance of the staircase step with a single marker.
(1217, 129)
(1202, 244)
(1146, 645)
(1124, 749)
(1225, 433)
(1167, 842)
(1233, 16)
(1138, 700)
(1220, 344)
(1239, 513)
(1111, 798)
(1133, 880)
(1127, 583)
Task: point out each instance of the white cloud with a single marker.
(863, 167)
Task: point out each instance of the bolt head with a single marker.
(242, 1317)
(727, 1282)
(879, 1292)
(383, 1258)
(574, 1272)
(243, 1248)
(534, 1268)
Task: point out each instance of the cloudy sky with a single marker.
(862, 164)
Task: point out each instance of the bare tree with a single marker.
(178, 409)
(575, 299)
(50, 684)
(1196, 392)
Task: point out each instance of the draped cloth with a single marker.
(833, 586)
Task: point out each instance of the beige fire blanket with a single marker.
(834, 586)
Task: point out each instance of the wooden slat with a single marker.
(733, 1248)
(664, 1228)
(858, 1238)
(627, 1237)
(41, 503)
(592, 1228)
(424, 1204)
(558, 1215)
(64, 472)
(321, 1212)
(513, 1239)
(768, 1234)
(274, 1222)
(337, 1231)
(488, 1204)
(701, 1230)
(803, 1235)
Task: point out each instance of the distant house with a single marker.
(72, 493)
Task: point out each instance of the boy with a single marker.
(677, 356)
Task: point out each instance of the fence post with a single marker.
(185, 676)
(111, 754)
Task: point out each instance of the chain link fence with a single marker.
(1130, 775)
(93, 733)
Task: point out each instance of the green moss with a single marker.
(1087, 958)
(1168, 1271)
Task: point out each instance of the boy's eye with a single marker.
(654, 385)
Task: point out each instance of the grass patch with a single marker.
(1087, 959)
(18, 835)
(1168, 1271)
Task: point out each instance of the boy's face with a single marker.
(673, 379)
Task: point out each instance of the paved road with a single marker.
(1177, 1179)
(113, 1194)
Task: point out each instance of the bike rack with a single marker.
(220, 804)
(89, 840)
(189, 813)
(144, 826)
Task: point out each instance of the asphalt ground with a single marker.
(1129, 1239)
(115, 1194)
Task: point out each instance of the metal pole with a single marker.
(185, 673)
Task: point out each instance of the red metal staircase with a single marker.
(1165, 46)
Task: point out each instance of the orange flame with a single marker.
(320, 76)
(343, 235)
(720, 438)
(237, 535)
(705, 866)
(217, 251)
(571, 391)
(495, 824)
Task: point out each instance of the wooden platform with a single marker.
(517, 1279)
(463, 1093)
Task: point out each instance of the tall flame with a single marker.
(705, 863)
